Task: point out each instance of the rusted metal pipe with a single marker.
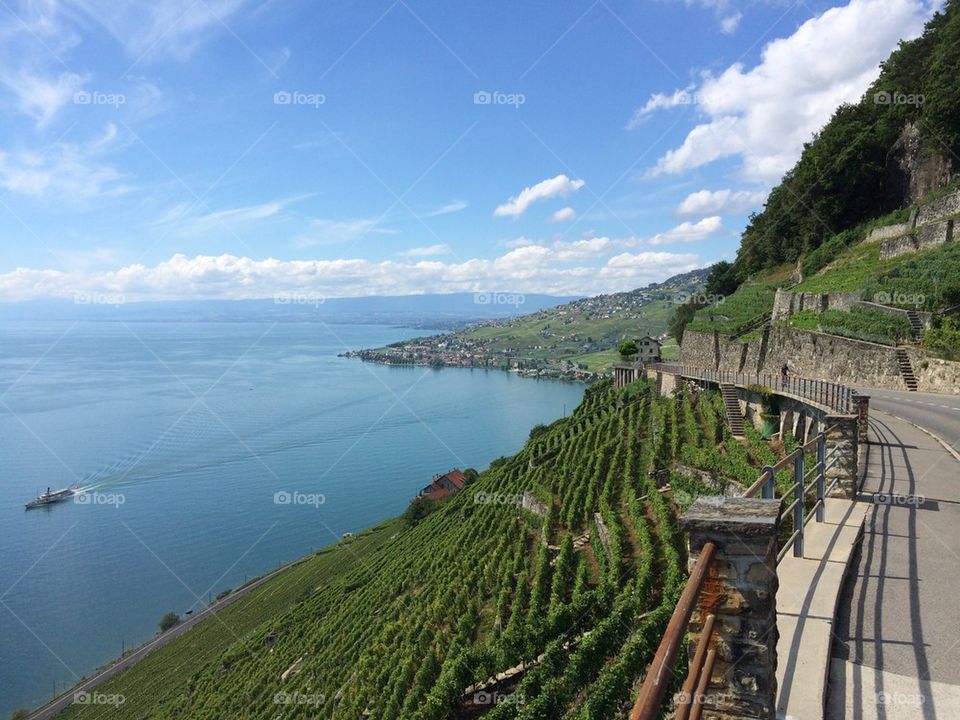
(693, 677)
(703, 684)
(647, 706)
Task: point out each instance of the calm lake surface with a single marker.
(186, 432)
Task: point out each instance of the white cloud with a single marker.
(766, 113)
(688, 232)
(518, 242)
(730, 23)
(189, 223)
(563, 215)
(720, 202)
(662, 101)
(174, 28)
(428, 251)
(452, 207)
(332, 232)
(559, 186)
(41, 97)
(65, 172)
(533, 268)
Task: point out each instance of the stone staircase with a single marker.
(916, 325)
(732, 404)
(906, 370)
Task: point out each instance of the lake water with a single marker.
(187, 432)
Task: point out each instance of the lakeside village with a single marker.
(456, 351)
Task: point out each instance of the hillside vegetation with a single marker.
(848, 174)
(398, 623)
(860, 173)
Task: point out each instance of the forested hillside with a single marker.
(899, 142)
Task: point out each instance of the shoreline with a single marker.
(131, 657)
(386, 359)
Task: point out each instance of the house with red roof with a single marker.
(444, 485)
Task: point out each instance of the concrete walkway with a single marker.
(896, 640)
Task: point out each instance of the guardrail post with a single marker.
(740, 592)
(798, 509)
(769, 489)
(842, 445)
(821, 474)
(861, 408)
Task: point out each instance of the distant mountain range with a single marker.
(435, 311)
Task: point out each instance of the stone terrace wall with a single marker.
(809, 354)
(889, 232)
(930, 227)
(787, 303)
(813, 354)
(944, 207)
(939, 376)
(828, 357)
(698, 349)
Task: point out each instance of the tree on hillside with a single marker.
(722, 280)
(418, 509)
(168, 621)
(681, 318)
(627, 349)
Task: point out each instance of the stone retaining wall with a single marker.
(934, 234)
(940, 376)
(697, 349)
(947, 205)
(818, 355)
(888, 232)
(787, 303)
(897, 246)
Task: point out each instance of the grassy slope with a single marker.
(547, 335)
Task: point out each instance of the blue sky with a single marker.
(228, 149)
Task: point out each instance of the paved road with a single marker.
(66, 699)
(938, 413)
(897, 646)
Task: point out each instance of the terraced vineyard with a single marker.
(480, 586)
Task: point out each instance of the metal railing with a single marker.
(690, 701)
(828, 394)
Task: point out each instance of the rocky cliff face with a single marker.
(914, 168)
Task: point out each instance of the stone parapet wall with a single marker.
(740, 594)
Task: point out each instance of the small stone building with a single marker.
(648, 349)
